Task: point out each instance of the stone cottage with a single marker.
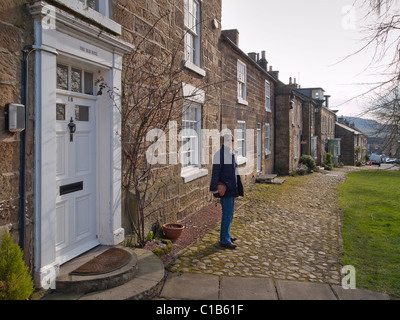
(325, 119)
(61, 174)
(353, 144)
(248, 106)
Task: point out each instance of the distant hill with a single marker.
(367, 126)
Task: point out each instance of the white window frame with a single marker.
(296, 146)
(242, 82)
(192, 22)
(191, 129)
(299, 106)
(267, 96)
(241, 128)
(293, 105)
(193, 171)
(267, 139)
(101, 16)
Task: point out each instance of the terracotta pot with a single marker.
(173, 230)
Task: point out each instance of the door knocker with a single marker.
(72, 129)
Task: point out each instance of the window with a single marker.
(74, 79)
(192, 36)
(267, 139)
(241, 138)
(299, 114)
(296, 146)
(267, 96)
(241, 78)
(292, 106)
(191, 133)
(312, 117)
(102, 6)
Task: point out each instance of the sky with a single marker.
(308, 40)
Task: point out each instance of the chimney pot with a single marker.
(263, 61)
(263, 54)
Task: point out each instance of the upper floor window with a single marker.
(102, 6)
(267, 96)
(192, 36)
(241, 80)
(99, 12)
(292, 107)
(299, 114)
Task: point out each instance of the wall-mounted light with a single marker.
(15, 117)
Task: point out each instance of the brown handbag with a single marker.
(221, 189)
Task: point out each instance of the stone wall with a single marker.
(161, 24)
(325, 129)
(254, 112)
(16, 31)
(347, 145)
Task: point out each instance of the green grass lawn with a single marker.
(370, 201)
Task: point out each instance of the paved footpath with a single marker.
(287, 235)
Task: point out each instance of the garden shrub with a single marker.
(15, 280)
(308, 161)
(328, 164)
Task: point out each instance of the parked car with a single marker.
(390, 160)
(375, 159)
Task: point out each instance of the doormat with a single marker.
(110, 260)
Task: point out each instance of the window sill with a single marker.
(91, 14)
(191, 173)
(240, 160)
(268, 110)
(267, 152)
(242, 101)
(191, 66)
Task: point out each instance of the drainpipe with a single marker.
(23, 137)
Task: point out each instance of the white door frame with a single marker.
(71, 38)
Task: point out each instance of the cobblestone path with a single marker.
(289, 231)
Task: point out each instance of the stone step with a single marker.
(80, 284)
(146, 284)
(265, 178)
(270, 179)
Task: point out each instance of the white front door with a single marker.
(259, 147)
(75, 176)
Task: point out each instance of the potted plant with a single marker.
(173, 230)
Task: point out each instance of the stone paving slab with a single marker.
(357, 294)
(188, 286)
(239, 288)
(191, 287)
(296, 290)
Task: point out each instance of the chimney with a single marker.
(327, 101)
(275, 74)
(232, 35)
(263, 61)
(253, 56)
